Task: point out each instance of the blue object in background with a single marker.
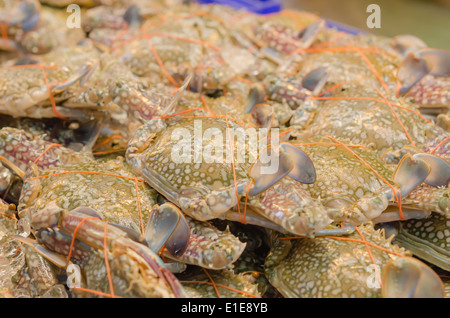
(343, 27)
(274, 6)
(257, 6)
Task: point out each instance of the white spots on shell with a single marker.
(359, 193)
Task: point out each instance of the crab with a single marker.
(38, 87)
(282, 33)
(108, 92)
(52, 224)
(365, 67)
(356, 186)
(19, 148)
(169, 57)
(343, 267)
(34, 29)
(386, 124)
(206, 247)
(136, 270)
(209, 187)
(24, 272)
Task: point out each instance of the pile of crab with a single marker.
(113, 178)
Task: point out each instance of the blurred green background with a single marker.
(427, 19)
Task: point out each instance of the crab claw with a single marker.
(303, 168)
(264, 177)
(437, 60)
(406, 43)
(264, 115)
(83, 74)
(412, 70)
(132, 16)
(28, 15)
(209, 247)
(167, 227)
(57, 259)
(409, 173)
(315, 80)
(407, 277)
(418, 64)
(308, 34)
(440, 169)
(255, 97)
(290, 161)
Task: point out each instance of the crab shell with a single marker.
(205, 189)
(87, 184)
(354, 193)
(361, 116)
(329, 267)
(70, 190)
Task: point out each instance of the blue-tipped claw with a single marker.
(167, 227)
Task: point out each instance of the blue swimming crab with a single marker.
(79, 209)
(133, 206)
(32, 28)
(107, 90)
(283, 33)
(209, 187)
(384, 123)
(344, 267)
(24, 272)
(28, 91)
(356, 186)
